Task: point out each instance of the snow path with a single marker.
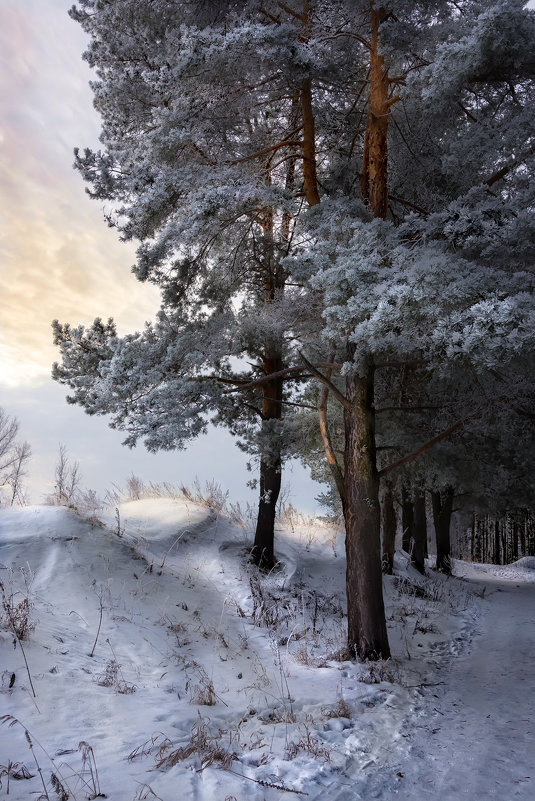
(178, 612)
(479, 740)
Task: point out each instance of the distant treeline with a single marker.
(497, 540)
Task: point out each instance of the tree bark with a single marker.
(263, 552)
(367, 634)
(310, 178)
(270, 467)
(442, 509)
(373, 183)
(420, 533)
(389, 531)
(336, 470)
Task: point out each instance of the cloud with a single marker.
(58, 259)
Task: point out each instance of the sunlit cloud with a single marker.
(58, 259)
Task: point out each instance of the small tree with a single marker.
(66, 480)
(14, 458)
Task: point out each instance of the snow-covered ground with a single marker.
(209, 682)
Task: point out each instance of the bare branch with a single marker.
(507, 169)
(301, 17)
(266, 150)
(296, 373)
(439, 438)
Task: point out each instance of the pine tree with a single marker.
(306, 168)
(421, 272)
(204, 164)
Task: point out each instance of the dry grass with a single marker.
(202, 744)
(113, 677)
(307, 744)
(13, 770)
(341, 710)
(381, 670)
(17, 607)
(203, 693)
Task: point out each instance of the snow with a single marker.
(185, 619)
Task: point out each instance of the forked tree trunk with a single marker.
(442, 510)
(389, 531)
(367, 634)
(420, 533)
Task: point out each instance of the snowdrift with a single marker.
(161, 659)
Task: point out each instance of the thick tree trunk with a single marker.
(373, 183)
(389, 531)
(420, 533)
(263, 552)
(310, 179)
(367, 634)
(442, 509)
(270, 467)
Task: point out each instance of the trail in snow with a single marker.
(475, 738)
(178, 602)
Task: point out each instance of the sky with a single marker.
(58, 259)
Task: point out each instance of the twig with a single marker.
(30, 744)
(423, 684)
(263, 783)
(26, 663)
(99, 625)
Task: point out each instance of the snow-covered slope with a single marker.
(206, 680)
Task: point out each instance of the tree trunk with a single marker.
(442, 509)
(373, 183)
(407, 521)
(389, 531)
(270, 467)
(336, 470)
(497, 553)
(420, 533)
(310, 178)
(263, 552)
(367, 634)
